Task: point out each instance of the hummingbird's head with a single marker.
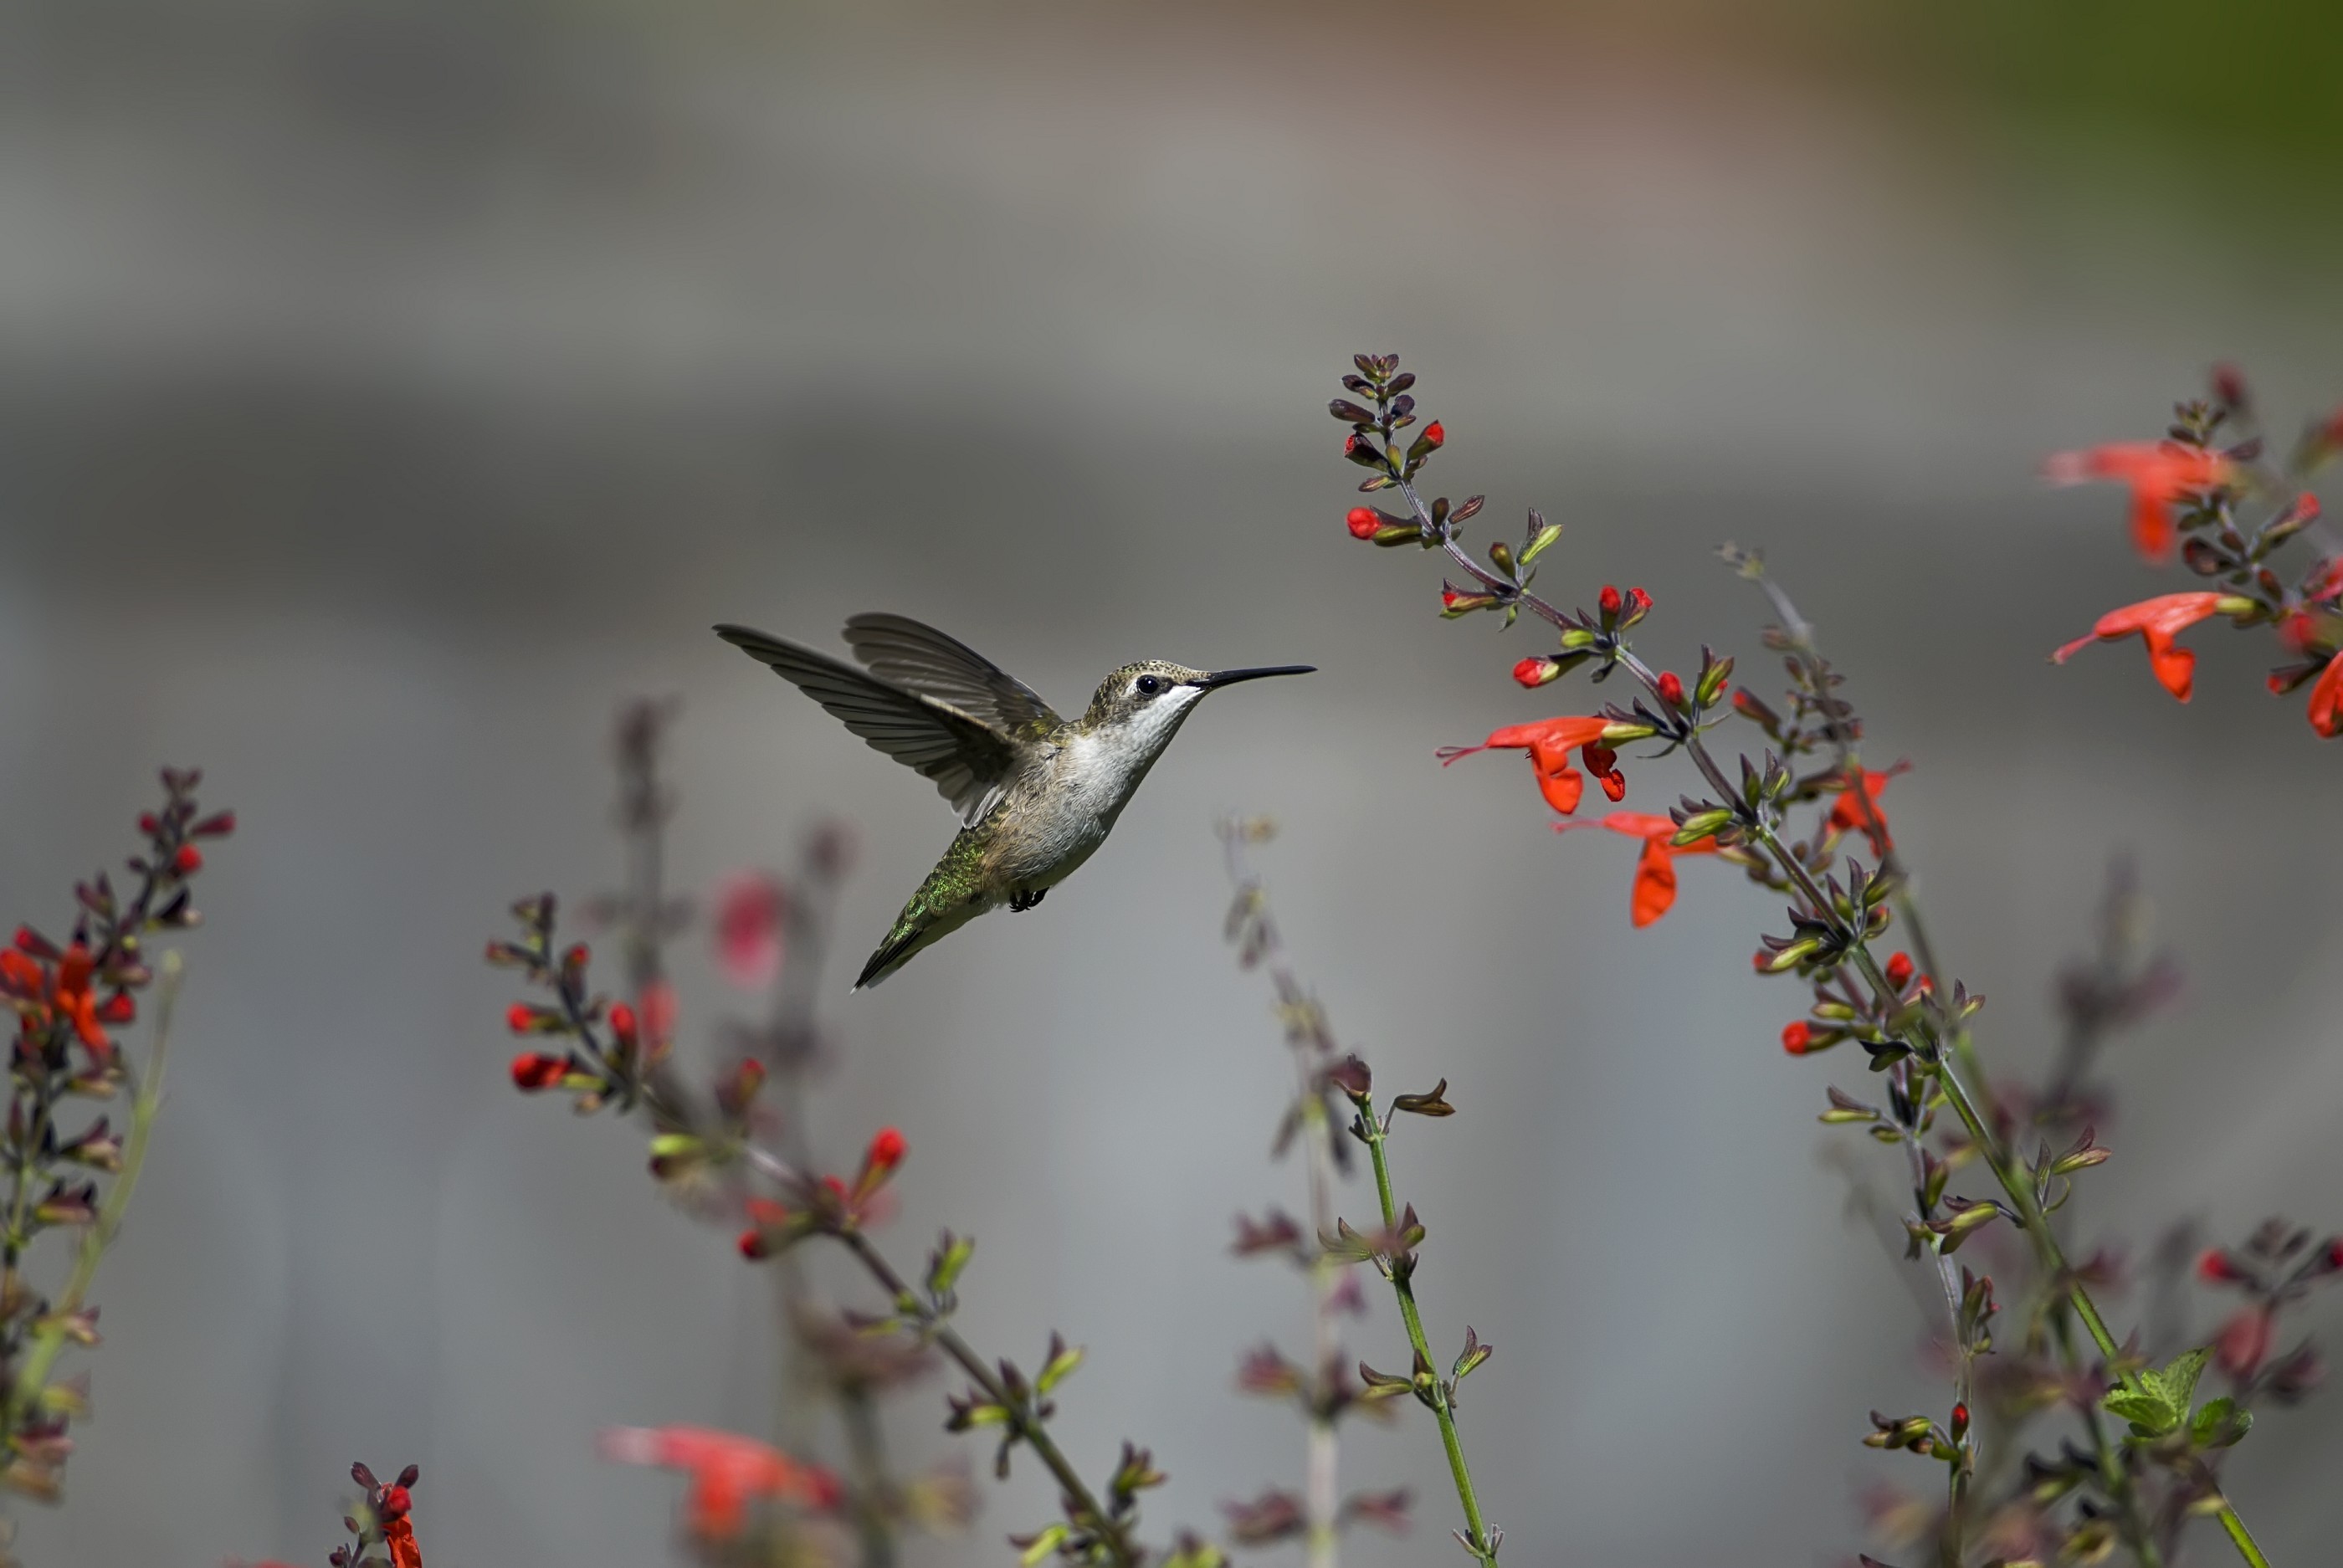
(1146, 701)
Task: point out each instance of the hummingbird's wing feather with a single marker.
(908, 653)
(968, 759)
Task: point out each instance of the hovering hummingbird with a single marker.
(1037, 794)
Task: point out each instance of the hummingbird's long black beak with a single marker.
(1230, 677)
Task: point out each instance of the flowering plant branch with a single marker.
(63, 1050)
(2230, 508)
(382, 1532)
(1915, 1032)
(609, 1055)
(1325, 1391)
(1391, 1246)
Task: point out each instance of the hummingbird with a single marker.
(1037, 794)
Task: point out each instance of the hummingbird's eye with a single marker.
(1148, 685)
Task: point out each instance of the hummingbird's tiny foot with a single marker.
(1020, 902)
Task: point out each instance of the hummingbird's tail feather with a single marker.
(946, 900)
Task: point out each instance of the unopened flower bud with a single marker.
(1435, 433)
(1899, 971)
(187, 860)
(1797, 1036)
(1639, 605)
(1536, 672)
(533, 1070)
(1362, 522)
(1670, 688)
(2216, 1267)
(1608, 600)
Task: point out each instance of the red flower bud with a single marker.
(1761, 961)
(188, 860)
(1351, 443)
(1797, 1036)
(2216, 1267)
(1536, 672)
(1638, 603)
(149, 825)
(1960, 1421)
(886, 1152)
(533, 1070)
(518, 1017)
(396, 1503)
(575, 959)
(622, 1022)
(752, 1244)
(1362, 522)
(1670, 688)
(31, 942)
(1435, 433)
(219, 825)
(1608, 599)
(1899, 971)
(119, 1008)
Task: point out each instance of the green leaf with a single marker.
(2219, 1423)
(1544, 535)
(1043, 1544)
(2146, 1410)
(2178, 1378)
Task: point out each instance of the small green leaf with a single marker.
(2179, 1376)
(2148, 1412)
(2219, 1423)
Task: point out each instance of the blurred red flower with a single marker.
(2159, 472)
(726, 1471)
(1857, 810)
(748, 911)
(2327, 699)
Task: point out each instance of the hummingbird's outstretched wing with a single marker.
(903, 651)
(967, 757)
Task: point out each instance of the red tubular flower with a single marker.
(1362, 522)
(726, 1471)
(535, 1069)
(70, 993)
(1549, 742)
(2157, 621)
(2327, 699)
(398, 1534)
(2159, 472)
(1654, 892)
(748, 912)
(1849, 813)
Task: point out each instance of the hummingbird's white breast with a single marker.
(1055, 819)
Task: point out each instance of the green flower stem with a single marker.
(1026, 1426)
(49, 1342)
(1403, 1269)
(2240, 1537)
(860, 1414)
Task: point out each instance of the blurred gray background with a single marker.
(388, 390)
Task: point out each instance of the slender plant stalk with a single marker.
(1320, 1488)
(1928, 1047)
(49, 1342)
(1404, 1286)
(1032, 1430)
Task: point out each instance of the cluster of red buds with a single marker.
(2211, 487)
(381, 1529)
(822, 1205)
(68, 995)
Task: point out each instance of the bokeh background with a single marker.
(388, 389)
